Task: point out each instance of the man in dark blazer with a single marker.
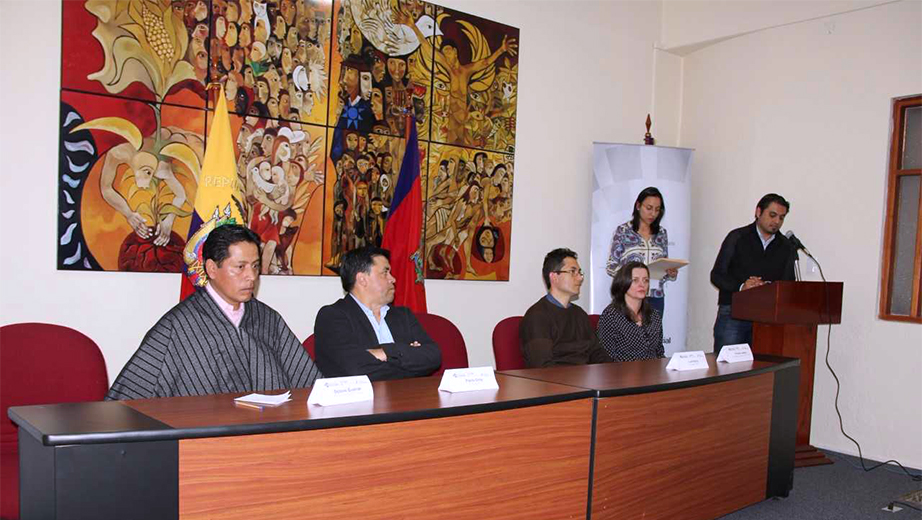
(362, 334)
(750, 256)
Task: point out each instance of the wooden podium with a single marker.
(785, 316)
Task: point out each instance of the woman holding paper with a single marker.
(630, 328)
(642, 239)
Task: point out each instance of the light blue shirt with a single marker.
(765, 241)
(381, 330)
(554, 301)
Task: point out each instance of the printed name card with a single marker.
(468, 380)
(341, 390)
(735, 353)
(694, 360)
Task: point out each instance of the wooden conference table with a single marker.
(606, 441)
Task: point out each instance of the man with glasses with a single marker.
(555, 331)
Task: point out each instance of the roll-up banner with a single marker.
(620, 172)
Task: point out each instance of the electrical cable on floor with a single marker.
(915, 478)
(904, 504)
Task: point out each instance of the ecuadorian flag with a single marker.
(402, 234)
(217, 198)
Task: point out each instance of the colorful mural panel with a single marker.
(360, 187)
(476, 82)
(322, 91)
(469, 214)
(273, 58)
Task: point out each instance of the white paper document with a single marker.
(735, 353)
(693, 360)
(264, 399)
(468, 379)
(659, 266)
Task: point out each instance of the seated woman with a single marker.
(630, 328)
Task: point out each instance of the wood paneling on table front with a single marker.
(506, 464)
(692, 453)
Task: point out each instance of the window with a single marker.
(901, 276)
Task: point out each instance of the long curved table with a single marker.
(598, 441)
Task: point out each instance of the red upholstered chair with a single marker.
(41, 363)
(594, 320)
(449, 339)
(507, 350)
(309, 346)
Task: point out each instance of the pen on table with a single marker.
(249, 405)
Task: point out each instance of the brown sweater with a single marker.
(552, 335)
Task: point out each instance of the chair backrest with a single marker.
(42, 363)
(507, 349)
(449, 339)
(309, 346)
(594, 320)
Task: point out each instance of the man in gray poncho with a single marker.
(220, 339)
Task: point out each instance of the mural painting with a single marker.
(322, 91)
(469, 214)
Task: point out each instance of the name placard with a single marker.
(468, 379)
(735, 353)
(693, 360)
(341, 390)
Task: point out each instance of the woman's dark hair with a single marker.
(635, 219)
(620, 284)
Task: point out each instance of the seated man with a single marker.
(362, 334)
(220, 339)
(555, 331)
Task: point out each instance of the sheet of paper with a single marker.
(659, 266)
(265, 399)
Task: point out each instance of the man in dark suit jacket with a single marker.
(362, 334)
(750, 256)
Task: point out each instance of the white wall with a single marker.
(586, 73)
(804, 110)
(689, 23)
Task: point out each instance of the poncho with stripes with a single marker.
(195, 350)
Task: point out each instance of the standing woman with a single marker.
(642, 239)
(629, 328)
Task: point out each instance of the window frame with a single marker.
(894, 173)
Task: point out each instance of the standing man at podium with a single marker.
(750, 256)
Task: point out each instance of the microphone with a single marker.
(798, 245)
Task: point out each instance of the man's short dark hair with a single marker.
(222, 237)
(553, 261)
(767, 200)
(357, 261)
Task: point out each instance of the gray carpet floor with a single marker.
(840, 491)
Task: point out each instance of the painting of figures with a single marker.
(360, 187)
(272, 58)
(280, 168)
(475, 82)
(469, 214)
(321, 93)
(132, 166)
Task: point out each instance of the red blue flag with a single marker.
(403, 232)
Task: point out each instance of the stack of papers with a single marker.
(265, 400)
